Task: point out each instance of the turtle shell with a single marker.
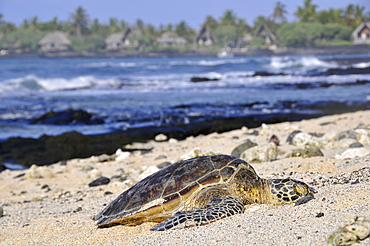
(160, 195)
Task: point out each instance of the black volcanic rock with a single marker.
(264, 74)
(51, 149)
(67, 117)
(202, 79)
(99, 181)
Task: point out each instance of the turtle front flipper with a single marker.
(216, 209)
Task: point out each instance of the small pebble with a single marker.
(164, 164)
(108, 193)
(94, 174)
(99, 181)
(160, 137)
(19, 175)
(1, 211)
(160, 157)
(318, 215)
(106, 158)
(356, 145)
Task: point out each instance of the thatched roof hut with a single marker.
(361, 35)
(55, 41)
(117, 41)
(264, 32)
(204, 37)
(171, 39)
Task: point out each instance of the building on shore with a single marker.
(204, 37)
(118, 41)
(264, 32)
(170, 39)
(54, 42)
(361, 35)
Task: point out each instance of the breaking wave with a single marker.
(31, 83)
(301, 64)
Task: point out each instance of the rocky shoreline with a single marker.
(54, 204)
(47, 149)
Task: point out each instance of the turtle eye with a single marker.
(302, 188)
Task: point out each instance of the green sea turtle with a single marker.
(199, 191)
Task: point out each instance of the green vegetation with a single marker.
(325, 27)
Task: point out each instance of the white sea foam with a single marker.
(209, 62)
(302, 63)
(32, 83)
(111, 64)
(361, 65)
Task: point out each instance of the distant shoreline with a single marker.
(318, 50)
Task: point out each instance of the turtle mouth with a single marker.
(312, 190)
(304, 199)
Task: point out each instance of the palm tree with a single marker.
(359, 16)
(34, 22)
(80, 19)
(7, 27)
(25, 24)
(330, 16)
(210, 23)
(123, 25)
(169, 28)
(113, 25)
(140, 24)
(95, 26)
(242, 28)
(183, 30)
(279, 14)
(306, 13)
(348, 14)
(228, 19)
(335, 15)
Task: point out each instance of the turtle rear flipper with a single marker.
(216, 209)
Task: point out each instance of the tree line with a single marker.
(313, 27)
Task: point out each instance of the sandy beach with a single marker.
(54, 205)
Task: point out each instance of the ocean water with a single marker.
(141, 92)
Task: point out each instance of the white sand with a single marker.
(62, 215)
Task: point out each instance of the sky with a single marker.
(156, 12)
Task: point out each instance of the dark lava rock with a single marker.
(356, 145)
(51, 149)
(267, 74)
(348, 134)
(164, 164)
(291, 136)
(19, 175)
(242, 147)
(274, 139)
(99, 181)
(69, 116)
(202, 79)
(350, 70)
(318, 215)
(107, 193)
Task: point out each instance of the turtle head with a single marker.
(288, 191)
